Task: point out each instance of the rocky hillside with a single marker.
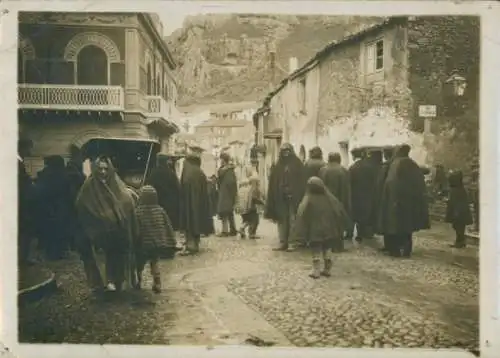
(225, 58)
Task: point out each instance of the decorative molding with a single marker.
(71, 18)
(132, 68)
(81, 40)
(26, 47)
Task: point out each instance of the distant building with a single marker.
(93, 75)
(217, 132)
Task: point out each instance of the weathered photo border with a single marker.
(489, 11)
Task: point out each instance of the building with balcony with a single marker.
(93, 75)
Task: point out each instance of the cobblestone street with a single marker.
(371, 300)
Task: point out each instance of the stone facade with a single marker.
(383, 73)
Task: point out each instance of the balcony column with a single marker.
(132, 70)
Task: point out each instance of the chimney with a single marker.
(293, 64)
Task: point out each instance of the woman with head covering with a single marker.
(107, 215)
(285, 191)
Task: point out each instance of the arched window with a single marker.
(158, 85)
(92, 66)
(149, 78)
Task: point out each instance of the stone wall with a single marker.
(439, 45)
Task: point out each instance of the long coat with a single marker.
(363, 177)
(287, 184)
(228, 190)
(336, 179)
(164, 179)
(312, 167)
(404, 207)
(458, 211)
(195, 217)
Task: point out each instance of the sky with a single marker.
(173, 15)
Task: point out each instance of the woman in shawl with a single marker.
(321, 220)
(164, 179)
(107, 215)
(195, 219)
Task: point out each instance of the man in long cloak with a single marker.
(228, 192)
(363, 177)
(164, 179)
(336, 179)
(285, 191)
(194, 219)
(315, 162)
(404, 206)
(388, 154)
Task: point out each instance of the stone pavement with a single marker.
(238, 289)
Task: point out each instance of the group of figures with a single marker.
(314, 204)
(319, 205)
(116, 230)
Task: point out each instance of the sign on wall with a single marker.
(427, 111)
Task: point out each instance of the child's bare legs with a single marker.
(327, 259)
(317, 251)
(253, 224)
(155, 272)
(244, 226)
(140, 268)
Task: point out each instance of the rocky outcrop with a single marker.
(225, 58)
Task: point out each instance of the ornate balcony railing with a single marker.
(71, 97)
(158, 107)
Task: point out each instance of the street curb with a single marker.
(38, 291)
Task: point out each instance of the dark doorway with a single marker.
(92, 66)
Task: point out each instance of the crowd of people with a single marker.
(315, 204)
(320, 204)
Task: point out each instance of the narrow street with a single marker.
(240, 289)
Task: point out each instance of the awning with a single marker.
(163, 125)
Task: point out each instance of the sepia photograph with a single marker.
(249, 179)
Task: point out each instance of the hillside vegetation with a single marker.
(224, 58)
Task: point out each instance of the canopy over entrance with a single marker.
(133, 158)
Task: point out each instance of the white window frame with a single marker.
(371, 56)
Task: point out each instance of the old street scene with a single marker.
(265, 180)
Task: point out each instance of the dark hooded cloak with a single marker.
(195, 217)
(286, 185)
(164, 179)
(363, 177)
(404, 207)
(458, 209)
(321, 217)
(228, 189)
